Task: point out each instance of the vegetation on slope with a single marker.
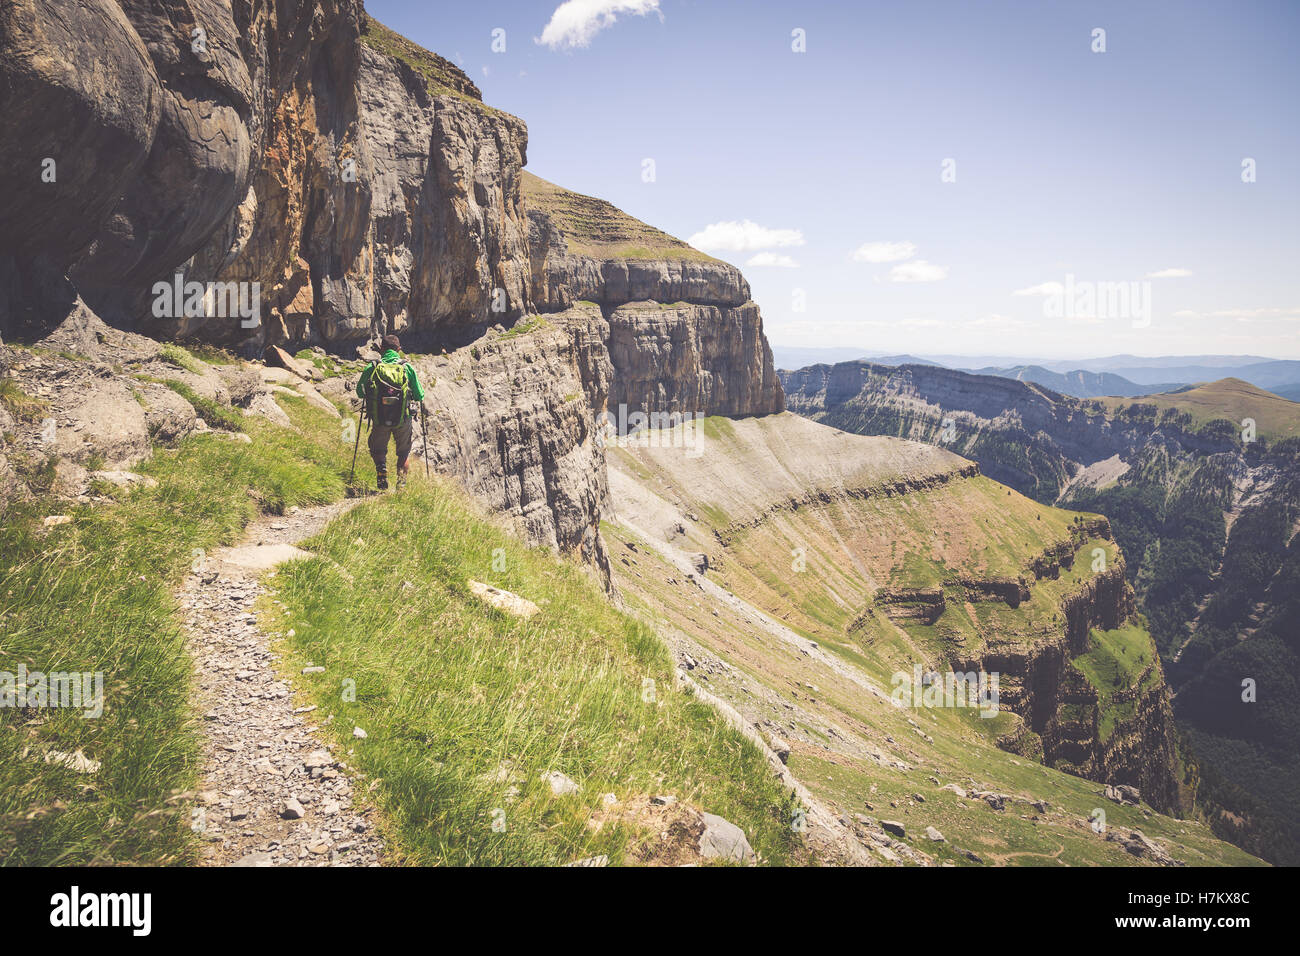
(594, 227)
(465, 707)
(1218, 591)
(1218, 406)
(443, 76)
(95, 594)
(868, 759)
(451, 691)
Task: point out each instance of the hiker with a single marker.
(388, 387)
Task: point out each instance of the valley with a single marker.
(1192, 480)
(568, 644)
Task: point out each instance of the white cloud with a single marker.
(1169, 274)
(1043, 288)
(884, 251)
(744, 237)
(1241, 315)
(996, 323)
(918, 271)
(772, 259)
(576, 22)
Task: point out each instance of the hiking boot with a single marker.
(401, 482)
(383, 482)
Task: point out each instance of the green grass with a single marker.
(173, 354)
(1116, 661)
(22, 406)
(594, 227)
(329, 365)
(450, 691)
(1228, 399)
(214, 413)
(1116, 658)
(212, 354)
(96, 595)
(442, 76)
(524, 327)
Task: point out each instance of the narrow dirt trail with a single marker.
(271, 794)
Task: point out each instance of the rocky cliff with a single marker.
(326, 181)
(887, 556)
(1126, 737)
(1023, 434)
(682, 333)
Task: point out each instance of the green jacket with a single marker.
(417, 390)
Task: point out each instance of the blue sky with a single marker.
(821, 173)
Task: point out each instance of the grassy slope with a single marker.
(961, 747)
(443, 76)
(1229, 399)
(466, 707)
(912, 540)
(96, 595)
(594, 227)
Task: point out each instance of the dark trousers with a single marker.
(378, 444)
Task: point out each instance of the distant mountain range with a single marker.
(1077, 382)
(1125, 376)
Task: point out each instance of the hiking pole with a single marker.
(352, 472)
(424, 427)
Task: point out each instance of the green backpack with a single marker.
(388, 394)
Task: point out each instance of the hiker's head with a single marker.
(392, 342)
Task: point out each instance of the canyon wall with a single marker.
(1022, 434)
(361, 186)
(1062, 712)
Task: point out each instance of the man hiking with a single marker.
(388, 388)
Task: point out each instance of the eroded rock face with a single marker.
(76, 86)
(561, 279)
(270, 146)
(980, 417)
(511, 421)
(450, 232)
(692, 358)
(1062, 711)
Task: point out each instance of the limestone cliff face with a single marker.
(683, 335)
(1062, 712)
(361, 186)
(511, 421)
(688, 358)
(1022, 434)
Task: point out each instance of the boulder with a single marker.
(559, 783)
(503, 600)
(724, 840)
(1123, 794)
(277, 357)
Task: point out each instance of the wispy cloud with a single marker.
(775, 259)
(744, 236)
(884, 251)
(918, 270)
(996, 323)
(1241, 315)
(576, 22)
(1043, 288)
(1169, 274)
